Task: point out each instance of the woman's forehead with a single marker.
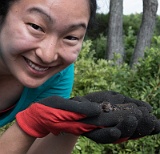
(61, 9)
(64, 4)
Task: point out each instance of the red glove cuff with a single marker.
(39, 120)
(26, 121)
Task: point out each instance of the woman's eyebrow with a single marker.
(42, 13)
(77, 26)
(47, 17)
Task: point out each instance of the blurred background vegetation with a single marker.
(94, 73)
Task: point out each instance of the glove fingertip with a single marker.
(157, 128)
(139, 103)
(128, 126)
(104, 135)
(145, 127)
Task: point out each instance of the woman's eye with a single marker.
(36, 27)
(72, 38)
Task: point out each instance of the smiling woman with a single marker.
(39, 42)
(44, 40)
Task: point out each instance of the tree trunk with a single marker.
(146, 30)
(115, 31)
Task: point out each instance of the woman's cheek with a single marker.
(72, 58)
(76, 54)
(71, 55)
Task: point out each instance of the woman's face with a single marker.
(42, 37)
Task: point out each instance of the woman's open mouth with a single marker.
(35, 66)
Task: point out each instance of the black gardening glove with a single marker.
(148, 124)
(119, 122)
(56, 115)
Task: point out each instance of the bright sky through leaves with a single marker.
(129, 6)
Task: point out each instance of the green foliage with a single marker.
(131, 25)
(141, 83)
(4, 128)
(100, 27)
(129, 44)
(85, 146)
(134, 21)
(157, 29)
(99, 45)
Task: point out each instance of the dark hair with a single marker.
(5, 5)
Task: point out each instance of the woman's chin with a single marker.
(33, 83)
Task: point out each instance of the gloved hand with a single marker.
(119, 122)
(56, 115)
(148, 124)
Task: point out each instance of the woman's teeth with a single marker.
(36, 67)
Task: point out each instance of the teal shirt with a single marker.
(60, 84)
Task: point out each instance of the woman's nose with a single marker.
(47, 53)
